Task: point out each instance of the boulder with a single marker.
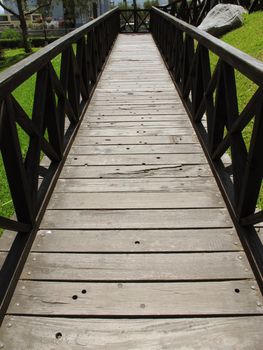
(222, 19)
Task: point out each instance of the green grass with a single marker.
(12, 56)
(24, 94)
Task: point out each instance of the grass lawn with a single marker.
(12, 56)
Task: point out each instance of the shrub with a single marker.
(10, 33)
(35, 42)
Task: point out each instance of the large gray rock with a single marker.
(223, 18)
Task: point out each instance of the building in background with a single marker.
(70, 12)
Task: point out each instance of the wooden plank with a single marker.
(204, 184)
(136, 267)
(135, 103)
(136, 159)
(136, 299)
(6, 240)
(134, 132)
(136, 149)
(136, 171)
(125, 241)
(219, 333)
(133, 140)
(138, 118)
(133, 124)
(2, 258)
(136, 219)
(140, 112)
(130, 200)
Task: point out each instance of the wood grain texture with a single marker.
(125, 241)
(221, 333)
(2, 258)
(195, 184)
(137, 267)
(134, 140)
(130, 200)
(136, 219)
(135, 171)
(136, 299)
(137, 149)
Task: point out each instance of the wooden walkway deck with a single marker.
(137, 249)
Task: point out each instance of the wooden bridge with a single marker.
(137, 230)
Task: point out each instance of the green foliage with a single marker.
(125, 6)
(10, 33)
(12, 56)
(149, 3)
(34, 42)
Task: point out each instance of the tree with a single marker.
(22, 12)
(149, 3)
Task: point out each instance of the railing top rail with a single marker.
(245, 63)
(133, 9)
(19, 72)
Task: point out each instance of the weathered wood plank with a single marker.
(141, 124)
(6, 240)
(202, 184)
(125, 241)
(136, 171)
(178, 119)
(135, 140)
(137, 149)
(136, 219)
(2, 258)
(41, 333)
(136, 299)
(136, 159)
(133, 132)
(130, 200)
(136, 267)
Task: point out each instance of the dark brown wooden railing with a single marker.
(210, 97)
(134, 21)
(60, 100)
(213, 97)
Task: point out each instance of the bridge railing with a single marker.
(210, 95)
(134, 20)
(60, 97)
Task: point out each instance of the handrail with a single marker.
(57, 97)
(210, 97)
(134, 20)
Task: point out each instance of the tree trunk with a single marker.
(23, 26)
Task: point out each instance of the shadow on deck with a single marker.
(136, 248)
